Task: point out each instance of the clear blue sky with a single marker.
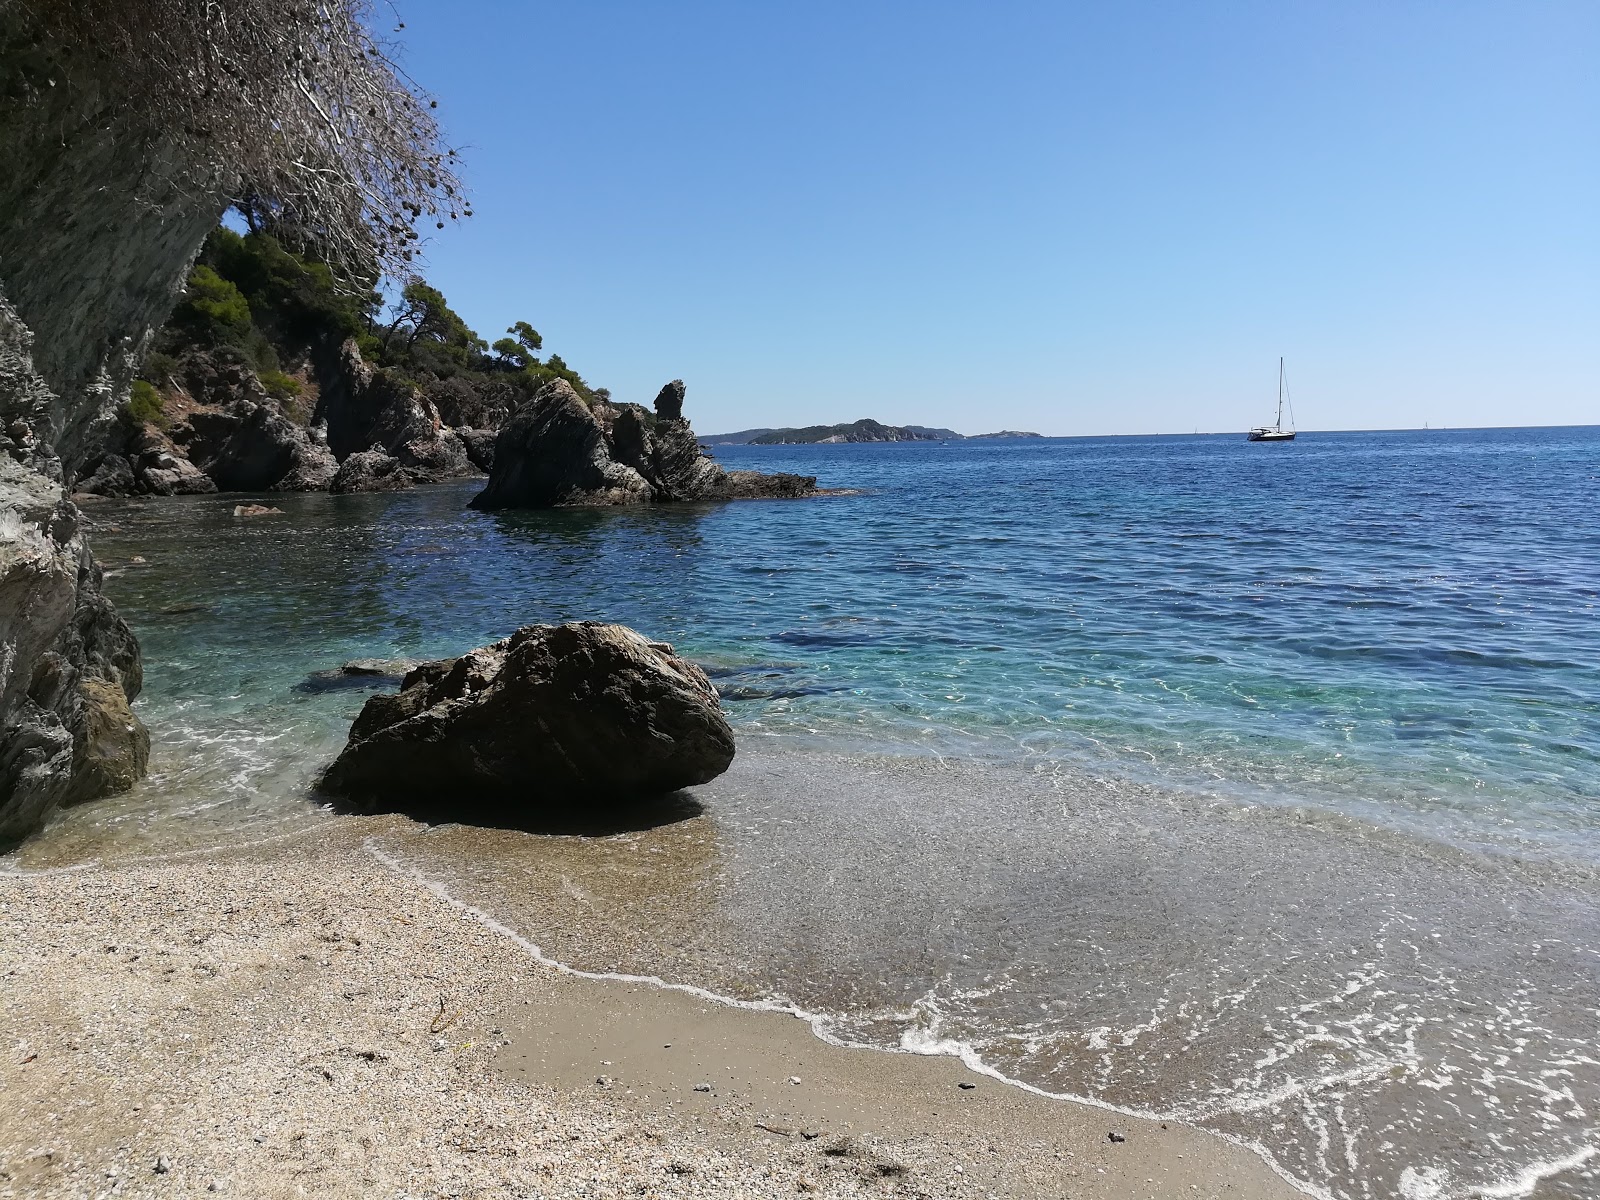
(1105, 217)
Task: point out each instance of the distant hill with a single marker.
(743, 438)
(866, 430)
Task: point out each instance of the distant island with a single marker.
(865, 430)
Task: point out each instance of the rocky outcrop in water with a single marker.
(582, 714)
(559, 451)
(371, 470)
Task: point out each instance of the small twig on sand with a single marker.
(442, 1022)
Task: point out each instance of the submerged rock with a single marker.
(583, 712)
(361, 674)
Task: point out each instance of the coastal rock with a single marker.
(365, 406)
(69, 665)
(161, 470)
(256, 510)
(553, 452)
(251, 447)
(682, 471)
(669, 401)
(438, 456)
(560, 451)
(583, 712)
(146, 463)
(113, 746)
(370, 471)
(754, 485)
(479, 445)
(112, 477)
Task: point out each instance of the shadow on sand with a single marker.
(556, 819)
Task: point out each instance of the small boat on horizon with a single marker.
(1276, 432)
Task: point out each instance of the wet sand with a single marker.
(296, 1018)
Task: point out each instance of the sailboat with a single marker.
(1276, 432)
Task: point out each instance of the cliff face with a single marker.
(98, 223)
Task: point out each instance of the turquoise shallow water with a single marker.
(1403, 625)
(1254, 785)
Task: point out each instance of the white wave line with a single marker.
(1524, 1181)
(818, 1022)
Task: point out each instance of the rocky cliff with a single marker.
(98, 224)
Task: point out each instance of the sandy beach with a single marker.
(296, 1018)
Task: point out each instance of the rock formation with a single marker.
(371, 470)
(582, 713)
(68, 664)
(559, 451)
(228, 434)
(98, 224)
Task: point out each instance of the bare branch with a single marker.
(300, 101)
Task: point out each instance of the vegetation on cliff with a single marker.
(253, 303)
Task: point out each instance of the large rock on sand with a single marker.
(558, 714)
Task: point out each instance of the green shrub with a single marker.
(279, 386)
(159, 368)
(214, 309)
(144, 403)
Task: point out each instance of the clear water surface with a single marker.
(1150, 744)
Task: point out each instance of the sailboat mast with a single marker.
(1279, 425)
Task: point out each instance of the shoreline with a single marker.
(304, 1016)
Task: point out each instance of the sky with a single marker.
(1073, 218)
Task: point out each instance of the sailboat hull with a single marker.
(1270, 435)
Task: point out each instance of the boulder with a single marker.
(112, 748)
(371, 471)
(256, 510)
(552, 453)
(586, 712)
(112, 477)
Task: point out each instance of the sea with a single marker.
(1255, 786)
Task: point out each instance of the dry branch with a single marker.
(299, 102)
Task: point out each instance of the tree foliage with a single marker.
(249, 294)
